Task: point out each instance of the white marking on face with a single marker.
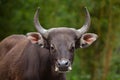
(56, 68)
(69, 68)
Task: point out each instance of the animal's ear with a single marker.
(35, 38)
(87, 39)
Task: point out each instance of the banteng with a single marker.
(46, 55)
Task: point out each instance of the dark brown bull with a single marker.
(46, 55)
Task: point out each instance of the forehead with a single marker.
(62, 34)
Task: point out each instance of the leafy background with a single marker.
(101, 61)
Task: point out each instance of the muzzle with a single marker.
(63, 65)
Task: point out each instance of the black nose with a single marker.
(63, 63)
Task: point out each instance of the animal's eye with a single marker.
(52, 47)
(72, 48)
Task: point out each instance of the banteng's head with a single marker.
(62, 42)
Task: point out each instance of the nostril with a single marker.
(67, 63)
(58, 64)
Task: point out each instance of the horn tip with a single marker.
(38, 8)
(85, 8)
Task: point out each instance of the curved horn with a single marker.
(39, 28)
(86, 26)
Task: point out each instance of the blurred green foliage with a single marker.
(98, 62)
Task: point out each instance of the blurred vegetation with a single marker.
(98, 62)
